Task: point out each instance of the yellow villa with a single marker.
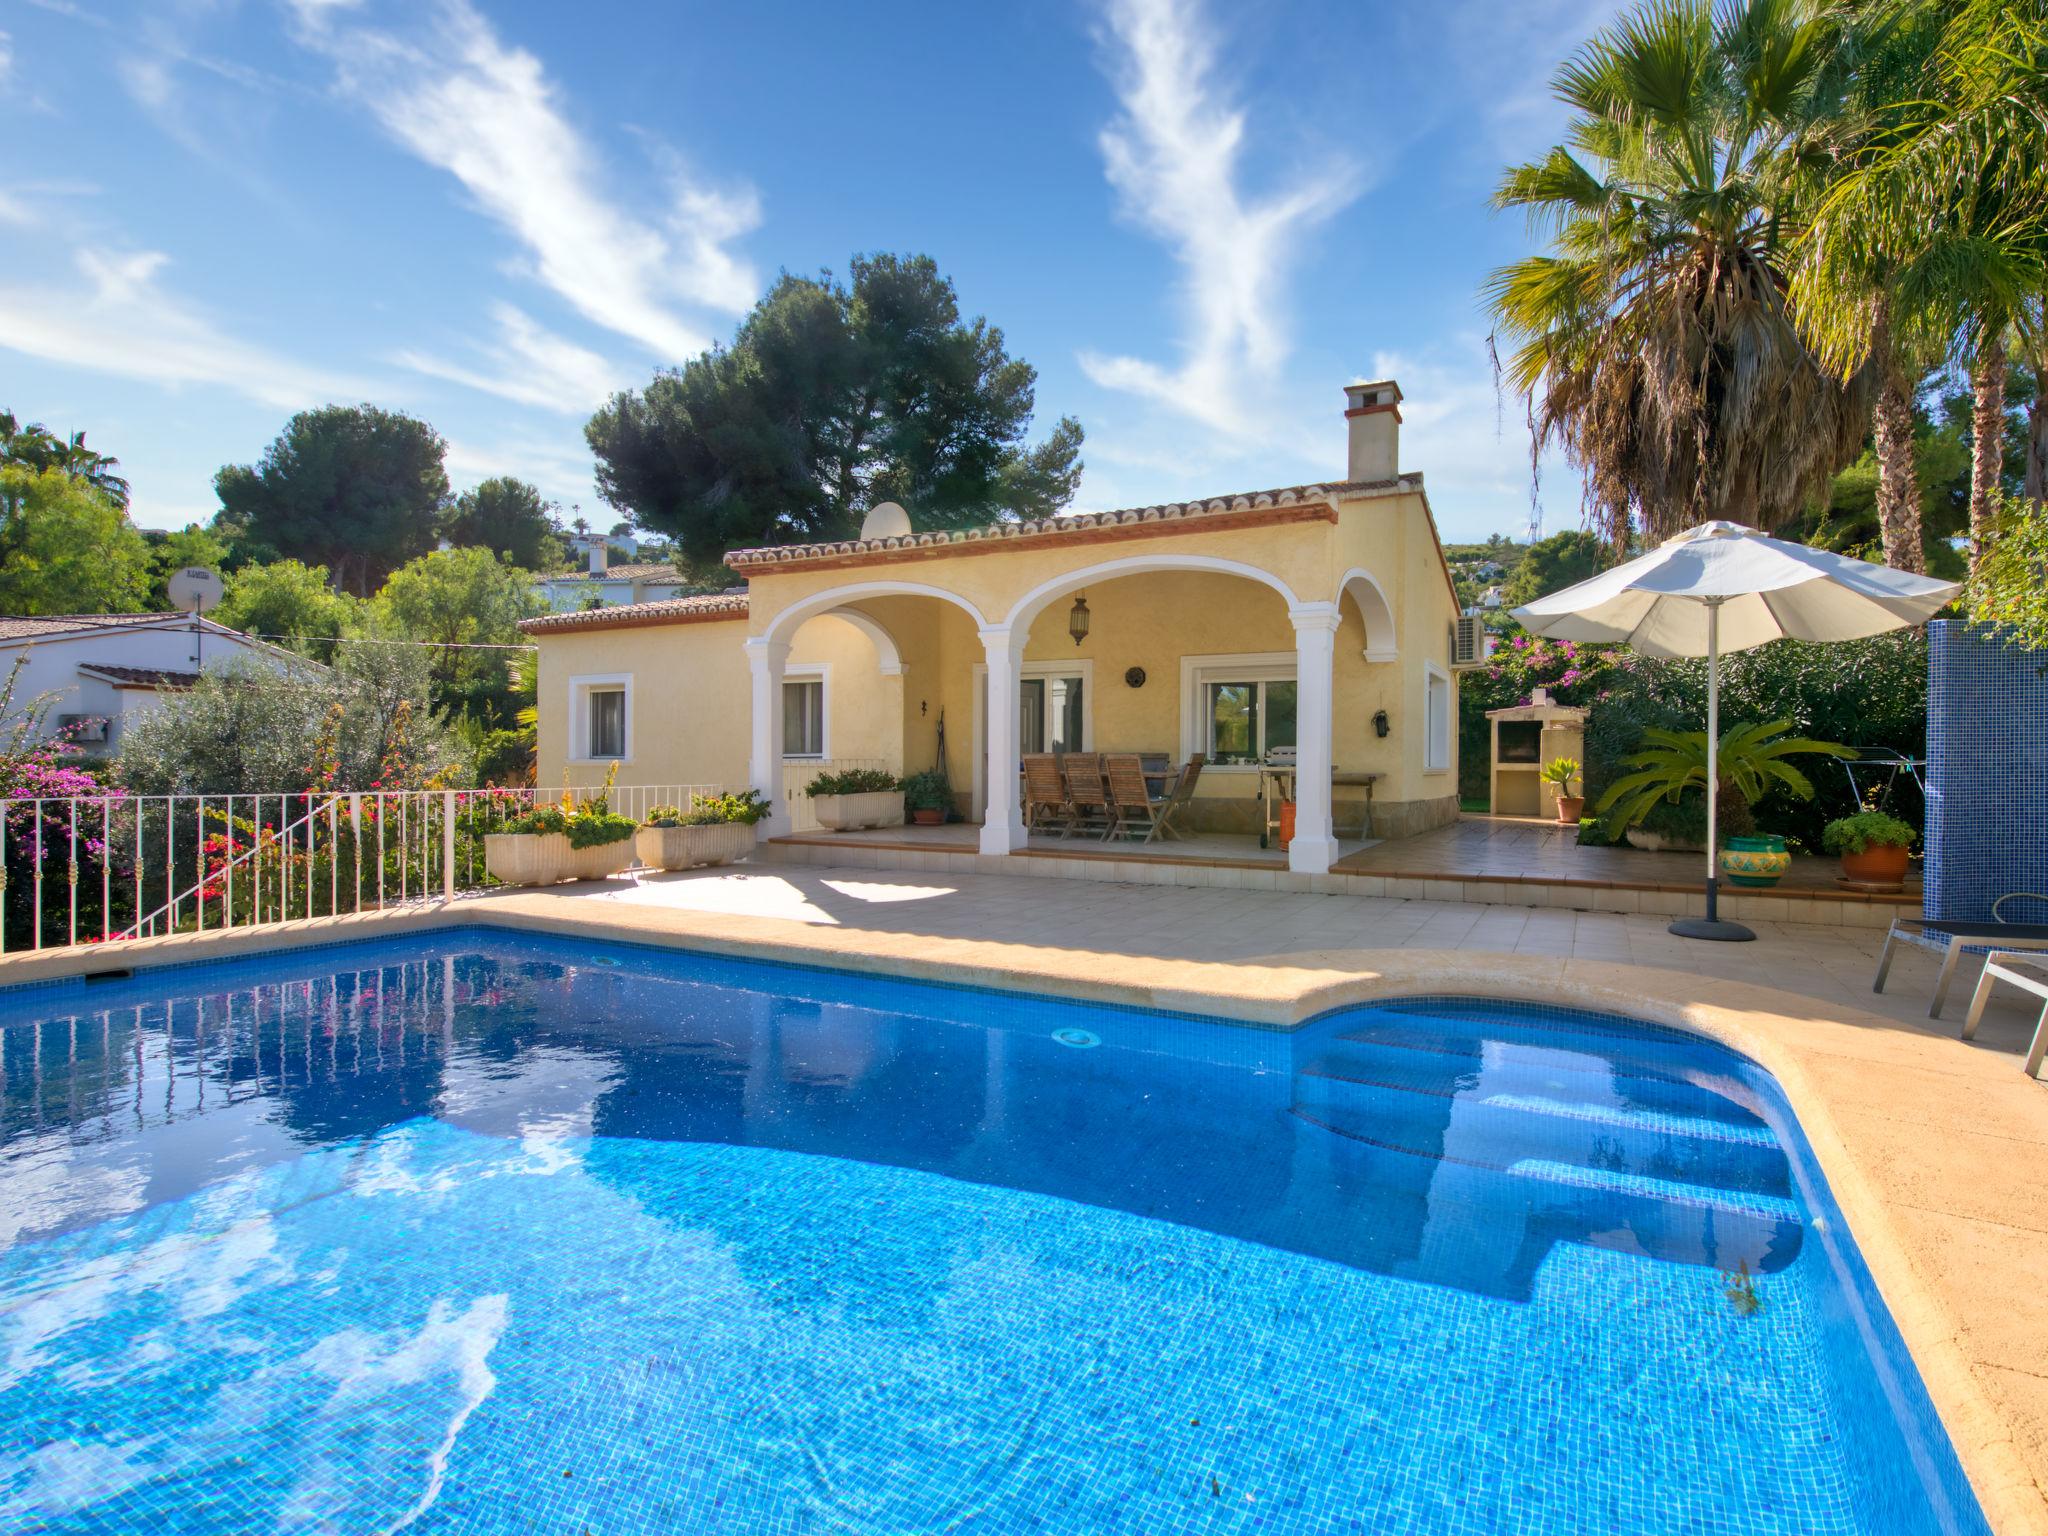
(1315, 622)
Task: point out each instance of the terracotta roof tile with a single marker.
(1172, 511)
(730, 604)
(622, 573)
(36, 626)
(144, 677)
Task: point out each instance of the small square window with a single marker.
(803, 717)
(607, 722)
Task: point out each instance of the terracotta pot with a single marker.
(1570, 808)
(544, 858)
(693, 847)
(849, 813)
(1879, 864)
(926, 818)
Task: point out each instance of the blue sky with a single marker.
(1197, 220)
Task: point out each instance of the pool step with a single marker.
(1576, 1131)
(1501, 1117)
(1655, 1071)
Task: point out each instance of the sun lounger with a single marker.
(1950, 939)
(2030, 974)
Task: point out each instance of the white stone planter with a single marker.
(849, 813)
(1653, 842)
(545, 858)
(689, 847)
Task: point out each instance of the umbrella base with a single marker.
(1711, 928)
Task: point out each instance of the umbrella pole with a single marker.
(1711, 926)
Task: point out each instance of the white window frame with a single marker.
(819, 672)
(580, 690)
(1436, 735)
(1198, 672)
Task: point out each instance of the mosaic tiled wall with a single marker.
(1987, 773)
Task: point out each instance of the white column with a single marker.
(1314, 848)
(1002, 825)
(766, 658)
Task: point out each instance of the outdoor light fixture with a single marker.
(1380, 724)
(1077, 619)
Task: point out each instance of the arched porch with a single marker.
(1188, 653)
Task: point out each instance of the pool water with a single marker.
(488, 1233)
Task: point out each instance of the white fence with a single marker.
(87, 869)
(797, 775)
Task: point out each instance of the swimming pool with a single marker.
(490, 1233)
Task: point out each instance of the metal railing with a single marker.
(88, 869)
(797, 774)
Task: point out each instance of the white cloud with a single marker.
(531, 365)
(455, 96)
(6, 60)
(123, 322)
(1174, 157)
(561, 470)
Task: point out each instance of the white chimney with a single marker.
(1373, 412)
(600, 554)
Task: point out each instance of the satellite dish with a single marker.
(196, 588)
(887, 521)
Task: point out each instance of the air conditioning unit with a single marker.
(1471, 641)
(83, 727)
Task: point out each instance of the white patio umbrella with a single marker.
(1724, 587)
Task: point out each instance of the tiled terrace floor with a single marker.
(1492, 848)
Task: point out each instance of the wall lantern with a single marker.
(1134, 677)
(1077, 619)
(1380, 724)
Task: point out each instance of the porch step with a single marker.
(1146, 865)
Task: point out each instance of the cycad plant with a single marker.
(1752, 761)
(1654, 342)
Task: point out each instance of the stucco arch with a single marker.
(835, 601)
(888, 654)
(1028, 607)
(1364, 590)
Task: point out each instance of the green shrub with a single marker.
(1560, 771)
(1865, 830)
(852, 781)
(744, 808)
(1751, 763)
(927, 791)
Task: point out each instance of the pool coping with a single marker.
(1807, 1044)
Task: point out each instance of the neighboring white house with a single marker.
(111, 667)
(604, 585)
(1492, 598)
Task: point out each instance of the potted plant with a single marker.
(855, 798)
(716, 829)
(927, 796)
(1874, 848)
(1759, 859)
(574, 840)
(1561, 771)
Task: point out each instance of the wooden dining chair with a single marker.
(1134, 806)
(1183, 792)
(1086, 796)
(1046, 807)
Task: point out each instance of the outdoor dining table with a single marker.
(1276, 784)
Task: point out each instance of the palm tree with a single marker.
(1951, 208)
(1655, 343)
(38, 448)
